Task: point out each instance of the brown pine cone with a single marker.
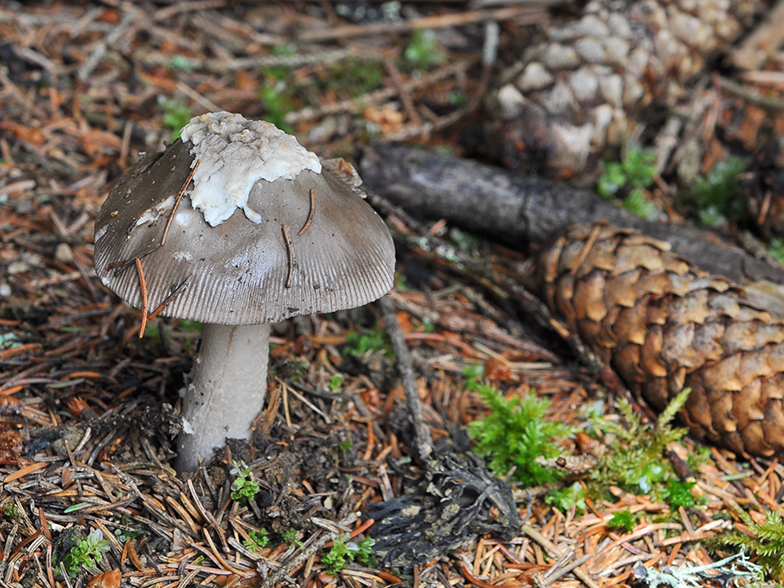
(584, 88)
(665, 325)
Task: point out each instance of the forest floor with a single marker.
(89, 409)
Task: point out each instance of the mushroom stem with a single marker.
(229, 381)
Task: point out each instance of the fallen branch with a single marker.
(518, 210)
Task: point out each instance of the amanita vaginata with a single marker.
(237, 225)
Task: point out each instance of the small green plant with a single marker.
(628, 178)
(368, 343)
(765, 542)
(86, 553)
(189, 325)
(567, 497)
(345, 445)
(355, 77)
(716, 195)
(472, 374)
(180, 63)
(298, 369)
(280, 72)
(428, 326)
(344, 551)
(364, 551)
(640, 205)
(515, 433)
(457, 98)
(776, 249)
(335, 383)
(677, 493)
(698, 457)
(124, 535)
(401, 282)
(423, 51)
(290, 536)
(175, 114)
(258, 540)
(465, 242)
(623, 519)
(243, 488)
(335, 560)
(634, 459)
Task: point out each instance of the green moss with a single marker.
(717, 194)
(369, 342)
(354, 77)
(634, 460)
(627, 179)
(515, 433)
(568, 497)
(766, 542)
(677, 494)
(623, 519)
(258, 540)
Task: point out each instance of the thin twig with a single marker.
(201, 100)
(129, 18)
(177, 202)
(119, 264)
(289, 252)
(521, 14)
(311, 214)
(180, 7)
(405, 95)
(377, 96)
(751, 96)
(305, 554)
(405, 368)
(143, 286)
(166, 300)
(554, 551)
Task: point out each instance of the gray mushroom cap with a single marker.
(240, 272)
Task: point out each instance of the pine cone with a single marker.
(665, 325)
(580, 90)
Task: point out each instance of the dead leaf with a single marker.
(110, 579)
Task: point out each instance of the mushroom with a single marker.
(238, 226)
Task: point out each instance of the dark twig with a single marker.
(405, 367)
(289, 252)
